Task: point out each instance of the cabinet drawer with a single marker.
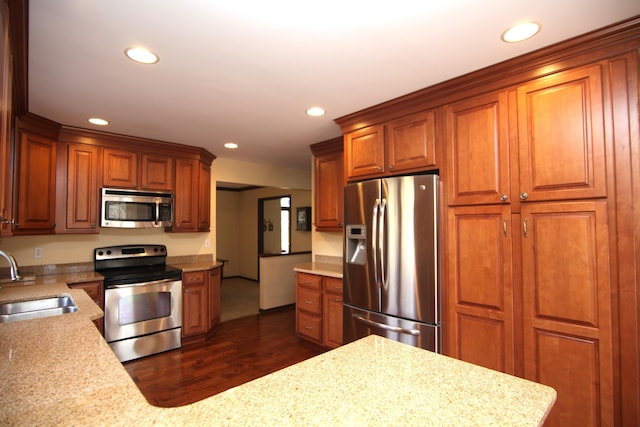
(309, 300)
(333, 285)
(310, 326)
(194, 277)
(93, 289)
(309, 280)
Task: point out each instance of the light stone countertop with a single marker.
(60, 371)
(321, 268)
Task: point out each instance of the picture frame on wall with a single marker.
(303, 218)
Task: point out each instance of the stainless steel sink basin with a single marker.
(33, 309)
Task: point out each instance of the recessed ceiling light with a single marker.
(521, 31)
(231, 145)
(315, 112)
(98, 121)
(141, 55)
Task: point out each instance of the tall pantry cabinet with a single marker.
(528, 238)
(540, 217)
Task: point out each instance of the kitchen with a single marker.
(322, 244)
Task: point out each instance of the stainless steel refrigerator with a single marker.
(391, 260)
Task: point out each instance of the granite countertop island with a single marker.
(60, 371)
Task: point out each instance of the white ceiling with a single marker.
(246, 70)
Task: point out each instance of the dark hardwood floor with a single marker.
(239, 351)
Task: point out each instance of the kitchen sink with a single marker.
(36, 308)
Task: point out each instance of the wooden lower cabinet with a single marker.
(215, 311)
(481, 286)
(319, 309)
(530, 295)
(200, 304)
(567, 303)
(95, 290)
(332, 314)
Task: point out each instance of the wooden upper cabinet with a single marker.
(120, 168)
(157, 172)
(204, 197)
(399, 146)
(411, 143)
(567, 302)
(560, 122)
(192, 207)
(129, 169)
(365, 152)
(6, 119)
(477, 139)
(186, 201)
(328, 185)
(36, 187)
(78, 202)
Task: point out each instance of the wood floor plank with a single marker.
(239, 351)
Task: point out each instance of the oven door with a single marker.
(138, 309)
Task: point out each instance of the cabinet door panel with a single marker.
(333, 319)
(204, 197)
(411, 143)
(186, 201)
(329, 183)
(561, 136)
(567, 307)
(36, 185)
(195, 304)
(82, 189)
(120, 168)
(478, 150)
(480, 286)
(365, 152)
(480, 340)
(157, 172)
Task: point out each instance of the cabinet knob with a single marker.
(390, 167)
(503, 197)
(523, 196)
(380, 168)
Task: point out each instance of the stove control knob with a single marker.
(109, 252)
(100, 253)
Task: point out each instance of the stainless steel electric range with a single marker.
(142, 301)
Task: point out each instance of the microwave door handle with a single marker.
(157, 221)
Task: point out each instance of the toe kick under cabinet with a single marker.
(319, 309)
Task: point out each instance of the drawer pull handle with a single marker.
(308, 302)
(337, 299)
(308, 327)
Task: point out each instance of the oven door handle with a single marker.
(135, 285)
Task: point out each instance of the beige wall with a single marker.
(237, 225)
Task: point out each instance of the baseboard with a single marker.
(277, 309)
(241, 277)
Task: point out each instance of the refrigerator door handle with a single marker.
(397, 329)
(374, 239)
(381, 243)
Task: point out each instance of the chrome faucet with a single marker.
(13, 266)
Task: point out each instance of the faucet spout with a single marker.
(13, 266)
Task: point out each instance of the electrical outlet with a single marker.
(207, 243)
(37, 253)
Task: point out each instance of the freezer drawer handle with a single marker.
(397, 329)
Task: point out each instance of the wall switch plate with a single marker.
(207, 243)
(37, 253)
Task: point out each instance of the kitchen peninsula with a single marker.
(59, 370)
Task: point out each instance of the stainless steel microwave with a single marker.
(136, 209)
